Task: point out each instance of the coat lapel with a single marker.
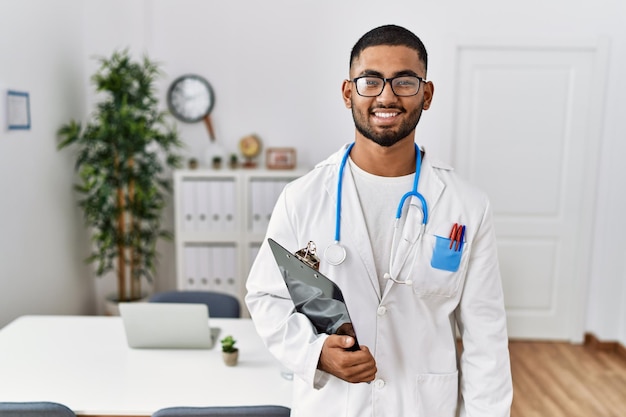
(353, 230)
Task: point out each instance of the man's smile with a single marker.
(385, 116)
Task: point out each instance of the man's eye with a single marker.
(405, 82)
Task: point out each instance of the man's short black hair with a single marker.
(391, 35)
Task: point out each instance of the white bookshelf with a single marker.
(220, 221)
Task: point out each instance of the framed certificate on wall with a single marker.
(281, 158)
(18, 110)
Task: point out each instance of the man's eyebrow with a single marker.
(406, 72)
(374, 73)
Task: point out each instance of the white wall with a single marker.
(276, 67)
(41, 235)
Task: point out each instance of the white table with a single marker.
(85, 363)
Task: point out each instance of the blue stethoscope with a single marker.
(335, 253)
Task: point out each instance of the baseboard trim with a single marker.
(593, 342)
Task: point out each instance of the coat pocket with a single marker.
(437, 394)
(437, 270)
(445, 255)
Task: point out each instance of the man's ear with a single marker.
(346, 93)
(429, 90)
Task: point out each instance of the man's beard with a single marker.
(388, 137)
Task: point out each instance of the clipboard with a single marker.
(314, 294)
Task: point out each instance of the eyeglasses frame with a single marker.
(388, 80)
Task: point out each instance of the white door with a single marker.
(527, 130)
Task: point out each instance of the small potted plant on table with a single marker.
(229, 352)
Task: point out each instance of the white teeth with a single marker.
(385, 115)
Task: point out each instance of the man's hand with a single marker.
(357, 366)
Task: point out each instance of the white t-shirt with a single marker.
(379, 197)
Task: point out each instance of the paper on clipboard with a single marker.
(314, 295)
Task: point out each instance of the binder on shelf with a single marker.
(268, 203)
(256, 205)
(215, 205)
(228, 206)
(188, 205)
(230, 270)
(190, 267)
(217, 270)
(204, 261)
(203, 201)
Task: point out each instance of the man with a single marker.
(410, 272)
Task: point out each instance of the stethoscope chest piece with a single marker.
(335, 254)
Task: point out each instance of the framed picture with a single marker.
(280, 158)
(18, 110)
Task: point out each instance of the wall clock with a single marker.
(190, 99)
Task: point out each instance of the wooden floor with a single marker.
(554, 379)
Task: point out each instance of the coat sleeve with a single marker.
(486, 386)
(287, 334)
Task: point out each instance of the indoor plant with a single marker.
(122, 153)
(229, 352)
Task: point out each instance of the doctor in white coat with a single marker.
(411, 245)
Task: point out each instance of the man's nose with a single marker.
(387, 95)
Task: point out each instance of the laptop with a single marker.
(167, 325)
(313, 294)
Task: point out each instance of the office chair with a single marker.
(221, 305)
(233, 411)
(34, 409)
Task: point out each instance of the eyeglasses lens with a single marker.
(373, 86)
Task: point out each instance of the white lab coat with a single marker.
(410, 330)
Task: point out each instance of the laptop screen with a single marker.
(167, 325)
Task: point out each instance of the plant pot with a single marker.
(231, 358)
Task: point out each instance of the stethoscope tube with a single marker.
(413, 192)
(342, 166)
(335, 254)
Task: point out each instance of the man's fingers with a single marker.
(340, 341)
(357, 366)
(345, 341)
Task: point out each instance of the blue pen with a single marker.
(461, 238)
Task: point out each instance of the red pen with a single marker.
(453, 235)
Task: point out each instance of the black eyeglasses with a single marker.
(373, 86)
